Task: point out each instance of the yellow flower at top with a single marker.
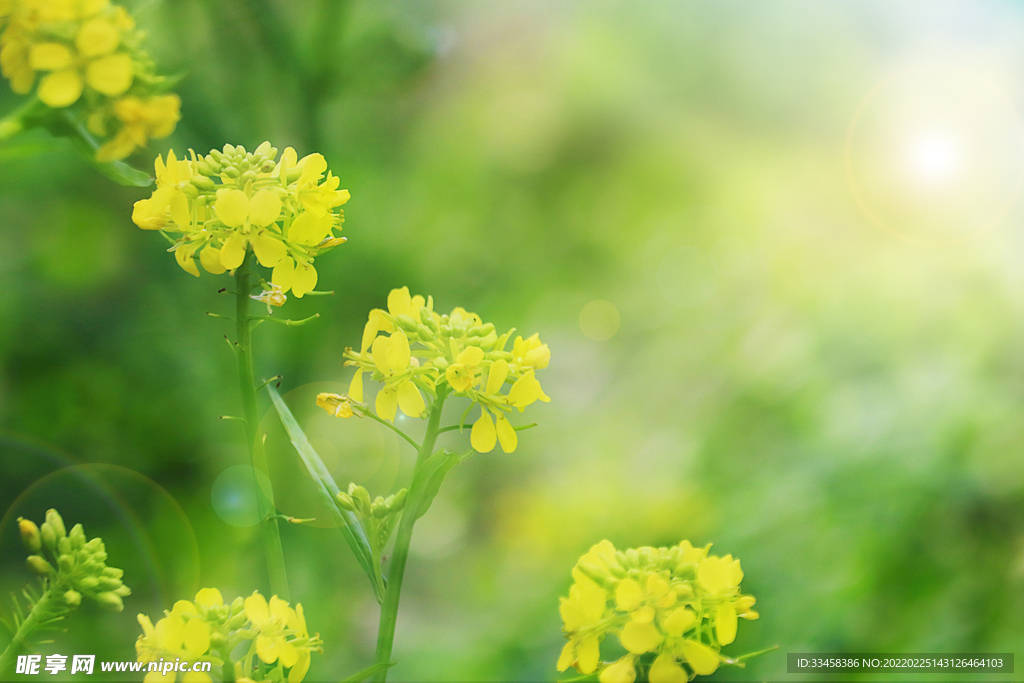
(286, 212)
(679, 605)
(413, 350)
(87, 51)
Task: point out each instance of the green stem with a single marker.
(370, 414)
(271, 533)
(19, 643)
(18, 120)
(389, 610)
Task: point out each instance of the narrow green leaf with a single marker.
(367, 672)
(348, 525)
(433, 471)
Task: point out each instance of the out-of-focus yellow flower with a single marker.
(335, 404)
(678, 603)
(277, 632)
(424, 350)
(258, 204)
(88, 52)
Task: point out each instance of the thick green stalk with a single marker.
(40, 612)
(389, 610)
(243, 325)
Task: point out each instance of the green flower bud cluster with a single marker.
(672, 609)
(379, 517)
(72, 564)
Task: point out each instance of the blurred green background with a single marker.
(798, 219)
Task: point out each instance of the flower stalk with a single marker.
(389, 610)
(271, 533)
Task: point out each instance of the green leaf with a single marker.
(367, 672)
(348, 525)
(432, 473)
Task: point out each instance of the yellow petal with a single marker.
(298, 621)
(179, 210)
(284, 274)
(643, 615)
(304, 280)
(399, 301)
(665, 670)
(209, 597)
(170, 632)
(298, 672)
(702, 659)
(280, 609)
(61, 88)
(111, 75)
(399, 352)
(640, 638)
(387, 403)
(628, 595)
(592, 600)
(184, 255)
(567, 656)
(355, 388)
(496, 376)
(716, 574)
(97, 37)
(471, 356)
(678, 622)
(657, 586)
(410, 400)
(233, 252)
(267, 648)
(50, 57)
(232, 207)
(725, 624)
(380, 350)
(196, 638)
(269, 249)
(210, 258)
(622, 671)
(483, 437)
(287, 653)
(506, 434)
(257, 610)
(264, 208)
(525, 391)
(588, 654)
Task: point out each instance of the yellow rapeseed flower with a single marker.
(678, 604)
(88, 52)
(412, 349)
(286, 212)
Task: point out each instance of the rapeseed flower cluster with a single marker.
(207, 629)
(413, 350)
(87, 54)
(73, 565)
(672, 609)
(224, 204)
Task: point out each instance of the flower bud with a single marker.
(345, 501)
(440, 363)
(48, 537)
(423, 332)
(362, 499)
(88, 583)
(237, 604)
(73, 598)
(64, 546)
(66, 563)
(30, 534)
(113, 572)
(106, 583)
(77, 537)
(110, 601)
(237, 621)
(379, 509)
(217, 640)
(206, 169)
(124, 591)
(428, 320)
(399, 502)
(405, 322)
(54, 519)
(94, 546)
(39, 565)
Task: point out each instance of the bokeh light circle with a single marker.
(599, 320)
(238, 496)
(687, 277)
(935, 155)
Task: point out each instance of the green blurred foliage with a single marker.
(836, 406)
